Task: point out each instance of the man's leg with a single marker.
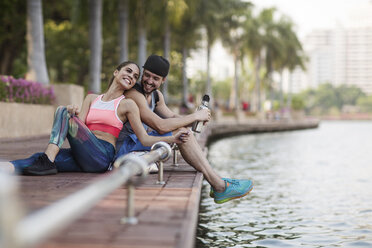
(193, 155)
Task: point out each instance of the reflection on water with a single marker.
(312, 188)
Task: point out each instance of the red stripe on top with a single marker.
(104, 128)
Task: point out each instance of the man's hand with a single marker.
(182, 136)
(203, 115)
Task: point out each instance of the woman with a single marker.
(92, 132)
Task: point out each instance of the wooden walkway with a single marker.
(167, 214)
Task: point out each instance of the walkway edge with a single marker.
(189, 227)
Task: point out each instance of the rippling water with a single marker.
(312, 188)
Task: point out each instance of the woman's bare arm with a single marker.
(132, 114)
(82, 114)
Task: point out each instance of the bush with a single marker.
(24, 91)
(365, 103)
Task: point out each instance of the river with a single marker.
(312, 188)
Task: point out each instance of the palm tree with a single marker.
(123, 29)
(174, 10)
(293, 55)
(37, 70)
(210, 13)
(266, 48)
(254, 46)
(273, 45)
(142, 32)
(232, 35)
(186, 37)
(95, 39)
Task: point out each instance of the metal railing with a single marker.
(18, 231)
(175, 157)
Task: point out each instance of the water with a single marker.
(312, 188)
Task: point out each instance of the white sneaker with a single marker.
(152, 168)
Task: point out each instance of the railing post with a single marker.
(163, 158)
(137, 161)
(160, 174)
(130, 219)
(175, 159)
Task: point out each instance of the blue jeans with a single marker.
(87, 152)
(132, 143)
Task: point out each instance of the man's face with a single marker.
(151, 81)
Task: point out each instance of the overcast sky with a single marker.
(306, 14)
(312, 14)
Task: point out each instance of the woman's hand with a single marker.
(203, 115)
(181, 136)
(73, 109)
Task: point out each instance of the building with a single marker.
(342, 55)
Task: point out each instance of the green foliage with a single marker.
(197, 85)
(12, 33)
(66, 29)
(67, 52)
(175, 75)
(221, 90)
(297, 102)
(365, 103)
(328, 99)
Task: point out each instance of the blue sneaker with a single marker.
(234, 189)
(229, 180)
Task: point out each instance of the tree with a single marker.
(349, 95)
(95, 39)
(12, 34)
(37, 70)
(174, 10)
(292, 55)
(142, 37)
(253, 35)
(210, 15)
(123, 29)
(273, 46)
(186, 37)
(232, 35)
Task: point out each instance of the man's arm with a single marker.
(154, 121)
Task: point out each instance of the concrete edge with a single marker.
(189, 227)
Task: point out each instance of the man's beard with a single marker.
(143, 84)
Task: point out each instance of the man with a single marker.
(155, 113)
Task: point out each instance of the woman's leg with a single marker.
(44, 163)
(90, 153)
(87, 153)
(58, 133)
(64, 162)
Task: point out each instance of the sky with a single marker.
(313, 14)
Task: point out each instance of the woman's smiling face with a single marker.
(127, 76)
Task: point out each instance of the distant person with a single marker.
(92, 132)
(156, 114)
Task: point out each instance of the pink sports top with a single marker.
(102, 116)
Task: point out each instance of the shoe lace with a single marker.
(40, 158)
(45, 162)
(236, 183)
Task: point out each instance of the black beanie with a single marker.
(157, 64)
